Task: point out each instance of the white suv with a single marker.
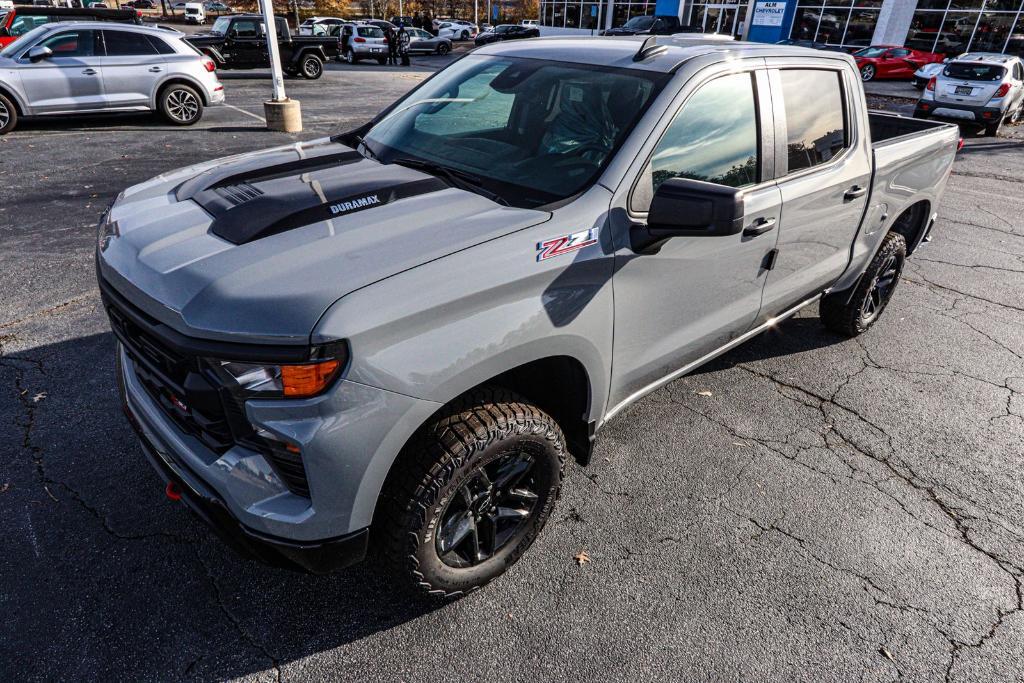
(79, 67)
(984, 87)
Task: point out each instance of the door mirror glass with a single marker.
(39, 52)
(689, 208)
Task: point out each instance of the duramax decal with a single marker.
(564, 244)
(345, 207)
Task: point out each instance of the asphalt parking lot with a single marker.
(804, 508)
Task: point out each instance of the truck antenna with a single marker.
(649, 48)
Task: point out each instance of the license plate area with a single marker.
(964, 90)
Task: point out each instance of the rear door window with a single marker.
(815, 120)
(245, 29)
(127, 44)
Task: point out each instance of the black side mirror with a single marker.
(689, 208)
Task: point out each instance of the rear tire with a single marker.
(8, 115)
(471, 493)
(350, 57)
(180, 105)
(311, 67)
(873, 292)
(867, 73)
(465, 35)
(992, 129)
(443, 49)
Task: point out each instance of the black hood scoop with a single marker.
(295, 187)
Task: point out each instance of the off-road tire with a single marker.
(8, 115)
(180, 105)
(992, 129)
(849, 318)
(478, 429)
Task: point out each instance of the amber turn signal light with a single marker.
(308, 379)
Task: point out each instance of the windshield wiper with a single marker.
(370, 154)
(455, 177)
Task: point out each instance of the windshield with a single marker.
(220, 27)
(974, 72)
(639, 23)
(25, 40)
(532, 131)
(870, 52)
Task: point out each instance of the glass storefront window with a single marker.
(836, 22)
(951, 27)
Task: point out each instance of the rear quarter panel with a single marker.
(909, 169)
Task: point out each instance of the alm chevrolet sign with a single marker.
(768, 13)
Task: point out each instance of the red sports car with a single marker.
(892, 61)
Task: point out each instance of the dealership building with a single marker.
(945, 26)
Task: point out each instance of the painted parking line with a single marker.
(247, 113)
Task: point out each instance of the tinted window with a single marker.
(899, 53)
(244, 29)
(814, 116)
(127, 44)
(70, 44)
(974, 72)
(370, 32)
(713, 138)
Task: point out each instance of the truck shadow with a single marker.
(94, 543)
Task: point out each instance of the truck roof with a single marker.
(618, 51)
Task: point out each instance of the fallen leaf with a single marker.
(703, 392)
(3, 489)
(738, 443)
(887, 654)
(47, 489)
(39, 397)
(582, 558)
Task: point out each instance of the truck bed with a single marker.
(887, 127)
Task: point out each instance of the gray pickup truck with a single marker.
(389, 341)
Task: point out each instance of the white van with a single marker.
(195, 13)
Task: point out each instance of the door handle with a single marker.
(155, 69)
(854, 192)
(759, 227)
(89, 72)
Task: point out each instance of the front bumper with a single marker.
(959, 111)
(317, 557)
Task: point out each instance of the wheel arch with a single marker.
(19, 106)
(913, 223)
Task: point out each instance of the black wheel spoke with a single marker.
(487, 537)
(456, 530)
(511, 473)
(525, 495)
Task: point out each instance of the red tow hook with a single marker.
(172, 491)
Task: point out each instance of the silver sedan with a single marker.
(424, 42)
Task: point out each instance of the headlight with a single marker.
(288, 380)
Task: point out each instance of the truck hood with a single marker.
(254, 248)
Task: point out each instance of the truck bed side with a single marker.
(912, 162)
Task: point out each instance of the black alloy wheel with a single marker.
(488, 510)
(881, 289)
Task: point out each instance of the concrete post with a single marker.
(281, 113)
(894, 22)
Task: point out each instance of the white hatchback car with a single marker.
(984, 87)
(94, 67)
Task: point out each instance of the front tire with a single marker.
(867, 73)
(180, 105)
(465, 35)
(852, 315)
(443, 49)
(8, 115)
(472, 493)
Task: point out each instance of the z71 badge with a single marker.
(557, 246)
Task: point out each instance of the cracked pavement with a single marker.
(803, 508)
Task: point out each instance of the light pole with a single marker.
(281, 113)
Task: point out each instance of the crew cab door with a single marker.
(823, 164)
(132, 66)
(695, 294)
(68, 80)
(247, 44)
